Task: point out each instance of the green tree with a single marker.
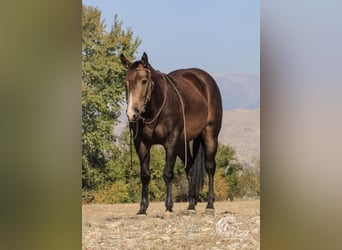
(102, 95)
(250, 180)
(242, 181)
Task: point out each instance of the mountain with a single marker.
(239, 91)
(241, 130)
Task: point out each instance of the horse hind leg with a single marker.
(210, 165)
(195, 172)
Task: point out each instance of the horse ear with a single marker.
(125, 62)
(144, 60)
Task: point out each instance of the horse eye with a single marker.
(144, 82)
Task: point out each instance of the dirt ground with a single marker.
(233, 225)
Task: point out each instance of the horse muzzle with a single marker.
(132, 115)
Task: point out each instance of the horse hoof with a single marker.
(191, 211)
(210, 206)
(141, 215)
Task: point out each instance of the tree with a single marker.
(241, 181)
(251, 180)
(102, 94)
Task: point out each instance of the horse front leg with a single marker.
(168, 176)
(144, 157)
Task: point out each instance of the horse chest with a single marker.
(155, 135)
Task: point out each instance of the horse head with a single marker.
(139, 86)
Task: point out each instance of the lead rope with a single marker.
(131, 133)
(130, 146)
(183, 111)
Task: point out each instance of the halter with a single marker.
(150, 84)
(147, 97)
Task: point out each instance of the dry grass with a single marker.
(117, 227)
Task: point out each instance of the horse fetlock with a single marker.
(192, 202)
(169, 205)
(210, 204)
(143, 206)
(191, 208)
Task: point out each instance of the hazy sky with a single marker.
(220, 36)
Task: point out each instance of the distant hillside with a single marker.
(239, 91)
(241, 130)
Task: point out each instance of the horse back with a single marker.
(197, 80)
(201, 96)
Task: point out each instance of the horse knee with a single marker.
(210, 167)
(168, 176)
(145, 176)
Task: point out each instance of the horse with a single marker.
(173, 110)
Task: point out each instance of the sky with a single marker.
(220, 36)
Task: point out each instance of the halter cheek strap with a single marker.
(150, 85)
(148, 93)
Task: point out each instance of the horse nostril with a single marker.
(133, 115)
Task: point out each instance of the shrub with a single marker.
(118, 192)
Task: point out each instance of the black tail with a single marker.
(198, 168)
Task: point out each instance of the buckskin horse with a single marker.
(172, 110)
